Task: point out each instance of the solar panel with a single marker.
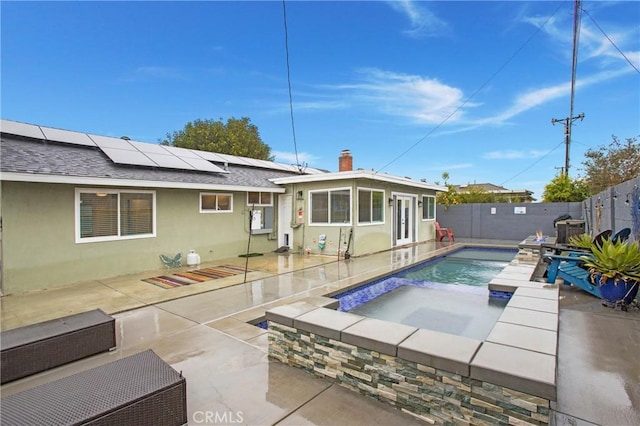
(210, 156)
(122, 156)
(181, 152)
(312, 171)
(117, 143)
(21, 129)
(276, 166)
(149, 147)
(174, 157)
(169, 161)
(291, 167)
(123, 151)
(204, 165)
(232, 159)
(254, 162)
(67, 136)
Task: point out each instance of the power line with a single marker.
(532, 164)
(611, 41)
(286, 47)
(482, 86)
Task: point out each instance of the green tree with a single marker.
(447, 198)
(475, 194)
(562, 189)
(235, 137)
(609, 165)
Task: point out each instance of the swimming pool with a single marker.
(448, 294)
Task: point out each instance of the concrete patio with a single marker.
(202, 330)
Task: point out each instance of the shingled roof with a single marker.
(26, 158)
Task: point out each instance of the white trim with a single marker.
(129, 183)
(329, 191)
(80, 240)
(421, 199)
(411, 222)
(216, 194)
(259, 196)
(358, 174)
(384, 204)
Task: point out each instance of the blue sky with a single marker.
(412, 88)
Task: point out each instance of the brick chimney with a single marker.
(345, 161)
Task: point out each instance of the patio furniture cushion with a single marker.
(139, 389)
(38, 347)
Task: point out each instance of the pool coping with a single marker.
(520, 352)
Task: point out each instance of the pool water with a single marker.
(448, 294)
(474, 267)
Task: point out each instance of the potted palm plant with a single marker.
(615, 269)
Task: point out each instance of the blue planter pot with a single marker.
(620, 293)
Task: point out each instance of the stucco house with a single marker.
(77, 207)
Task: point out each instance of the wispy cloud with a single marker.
(594, 45)
(331, 102)
(421, 99)
(290, 157)
(427, 100)
(537, 97)
(424, 23)
(320, 105)
(513, 155)
(447, 167)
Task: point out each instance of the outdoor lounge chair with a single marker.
(570, 269)
(604, 235)
(597, 240)
(622, 235)
(570, 250)
(443, 232)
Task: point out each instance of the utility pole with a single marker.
(567, 136)
(574, 65)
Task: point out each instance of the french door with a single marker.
(404, 220)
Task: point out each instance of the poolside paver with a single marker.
(521, 336)
(530, 318)
(516, 368)
(534, 303)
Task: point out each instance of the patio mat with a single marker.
(180, 279)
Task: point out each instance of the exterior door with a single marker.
(285, 216)
(403, 220)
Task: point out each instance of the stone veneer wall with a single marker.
(435, 395)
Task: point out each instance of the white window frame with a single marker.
(329, 191)
(263, 224)
(269, 204)
(371, 191)
(216, 210)
(425, 205)
(82, 240)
